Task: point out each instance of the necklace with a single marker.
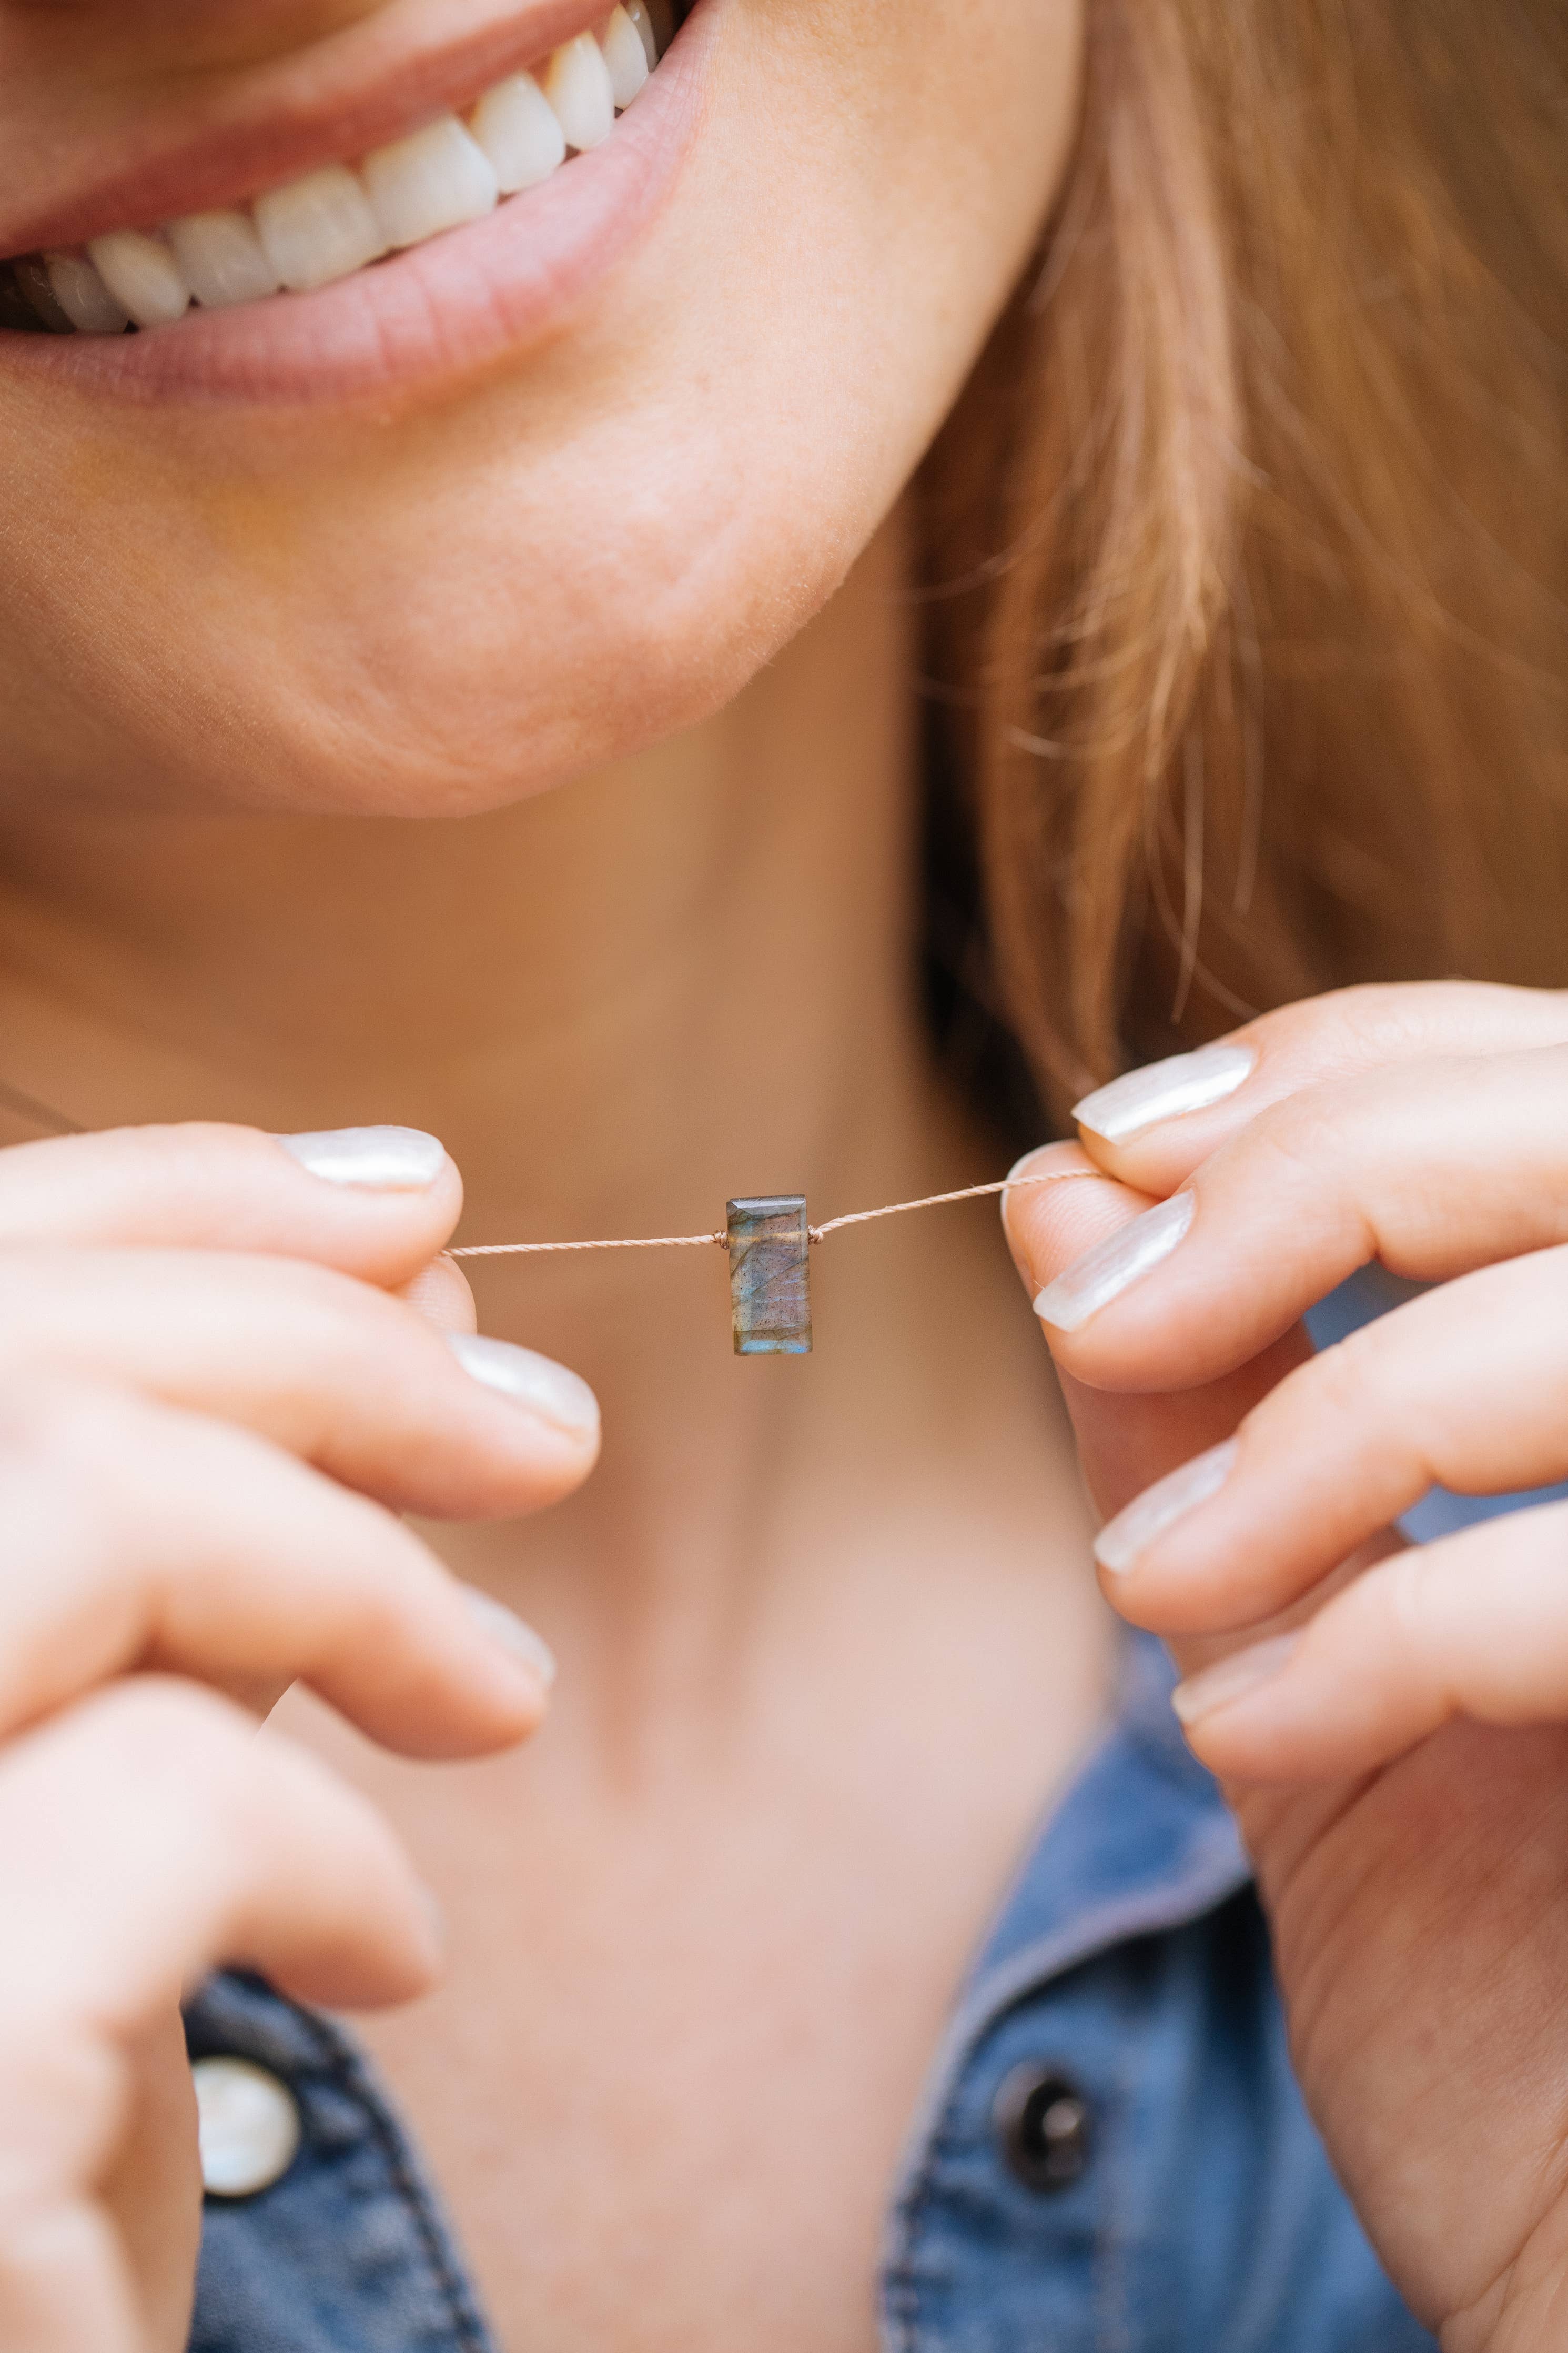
(766, 1234)
(769, 1242)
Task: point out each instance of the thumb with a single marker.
(1127, 1439)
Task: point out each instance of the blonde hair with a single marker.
(1246, 551)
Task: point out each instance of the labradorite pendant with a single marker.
(769, 1279)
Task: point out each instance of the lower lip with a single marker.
(460, 303)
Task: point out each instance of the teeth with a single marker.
(625, 55)
(83, 296)
(318, 228)
(222, 259)
(436, 180)
(33, 279)
(577, 84)
(518, 129)
(143, 275)
(331, 223)
(640, 19)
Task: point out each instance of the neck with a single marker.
(684, 977)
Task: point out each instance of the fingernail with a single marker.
(382, 1159)
(506, 1629)
(538, 1382)
(1230, 1679)
(1164, 1091)
(1111, 1266)
(1122, 1540)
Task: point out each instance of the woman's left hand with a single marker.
(1391, 1723)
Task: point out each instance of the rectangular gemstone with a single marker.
(769, 1280)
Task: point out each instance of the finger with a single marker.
(138, 1536)
(1433, 1168)
(1466, 1388)
(65, 2283)
(1474, 1626)
(374, 1202)
(151, 2191)
(442, 1293)
(151, 1835)
(1125, 1440)
(1154, 1126)
(330, 1369)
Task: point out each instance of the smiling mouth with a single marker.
(345, 217)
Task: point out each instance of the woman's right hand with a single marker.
(214, 1405)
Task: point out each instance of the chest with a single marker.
(670, 2117)
(696, 1984)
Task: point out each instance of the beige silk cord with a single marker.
(818, 1233)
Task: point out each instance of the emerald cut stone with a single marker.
(769, 1279)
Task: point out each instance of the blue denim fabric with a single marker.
(1129, 1954)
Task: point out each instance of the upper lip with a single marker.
(333, 102)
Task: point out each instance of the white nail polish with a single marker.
(546, 1387)
(1231, 1679)
(1164, 1091)
(381, 1159)
(1104, 1272)
(1123, 1540)
(506, 1628)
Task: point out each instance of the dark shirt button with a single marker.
(1043, 2125)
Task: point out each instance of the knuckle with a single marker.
(61, 1449)
(1401, 1590)
(69, 1452)
(161, 1731)
(1374, 1023)
(1303, 1137)
(1369, 1385)
(1313, 1146)
(1349, 1018)
(1339, 1388)
(379, 1605)
(40, 1421)
(50, 2073)
(231, 1801)
(65, 2090)
(1384, 1020)
(67, 1428)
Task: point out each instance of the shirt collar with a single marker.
(1142, 1842)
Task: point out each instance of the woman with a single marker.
(576, 533)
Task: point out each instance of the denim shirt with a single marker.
(1110, 2157)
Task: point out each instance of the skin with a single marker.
(655, 558)
(1401, 1772)
(707, 375)
(274, 638)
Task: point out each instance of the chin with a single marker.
(393, 685)
(546, 489)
